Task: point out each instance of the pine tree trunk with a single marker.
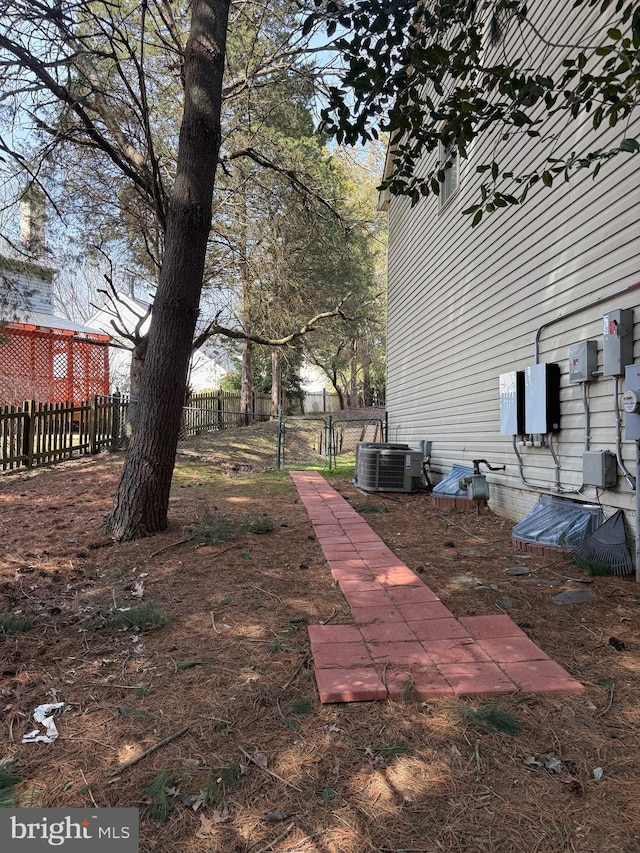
(141, 503)
(138, 354)
(246, 388)
(276, 383)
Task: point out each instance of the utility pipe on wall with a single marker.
(578, 310)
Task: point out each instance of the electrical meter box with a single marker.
(631, 402)
(599, 469)
(583, 361)
(617, 342)
(542, 398)
(512, 403)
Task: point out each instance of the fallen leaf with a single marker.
(208, 824)
(260, 759)
(220, 816)
(275, 817)
(138, 590)
(207, 827)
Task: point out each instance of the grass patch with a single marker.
(189, 664)
(161, 793)
(408, 691)
(8, 780)
(143, 691)
(392, 748)
(125, 710)
(230, 774)
(15, 623)
(145, 617)
(209, 794)
(364, 508)
(590, 567)
(299, 707)
(261, 526)
(328, 794)
(490, 718)
(211, 529)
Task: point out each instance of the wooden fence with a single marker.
(38, 433)
(213, 410)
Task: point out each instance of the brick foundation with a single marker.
(539, 550)
(463, 504)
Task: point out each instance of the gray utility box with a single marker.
(583, 361)
(617, 341)
(599, 468)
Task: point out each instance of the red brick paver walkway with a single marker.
(403, 633)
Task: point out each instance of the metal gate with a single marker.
(322, 441)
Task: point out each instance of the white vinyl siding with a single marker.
(450, 165)
(464, 306)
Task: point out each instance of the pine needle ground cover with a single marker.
(200, 708)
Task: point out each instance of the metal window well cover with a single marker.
(559, 522)
(450, 484)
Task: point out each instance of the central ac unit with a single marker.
(387, 467)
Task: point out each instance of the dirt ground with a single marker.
(253, 762)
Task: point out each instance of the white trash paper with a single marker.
(42, 715)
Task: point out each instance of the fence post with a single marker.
(28, 433)
(279, 446)
(93, 425)
(116, 415)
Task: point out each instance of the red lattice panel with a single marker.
(50, 367)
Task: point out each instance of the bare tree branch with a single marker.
(215, 328)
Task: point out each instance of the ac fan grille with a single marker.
(382, 471)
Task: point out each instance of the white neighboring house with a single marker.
(43, 357)
(470, 309)
(205, 373)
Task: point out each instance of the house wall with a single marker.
(464, 305)
(31, 284)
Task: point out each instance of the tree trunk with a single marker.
(276, 383)
(353, 377)
(141, 502)
(333, 376)
(138, 354)
(246, 388)
(367, 393)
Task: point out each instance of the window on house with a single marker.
(449, 165)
